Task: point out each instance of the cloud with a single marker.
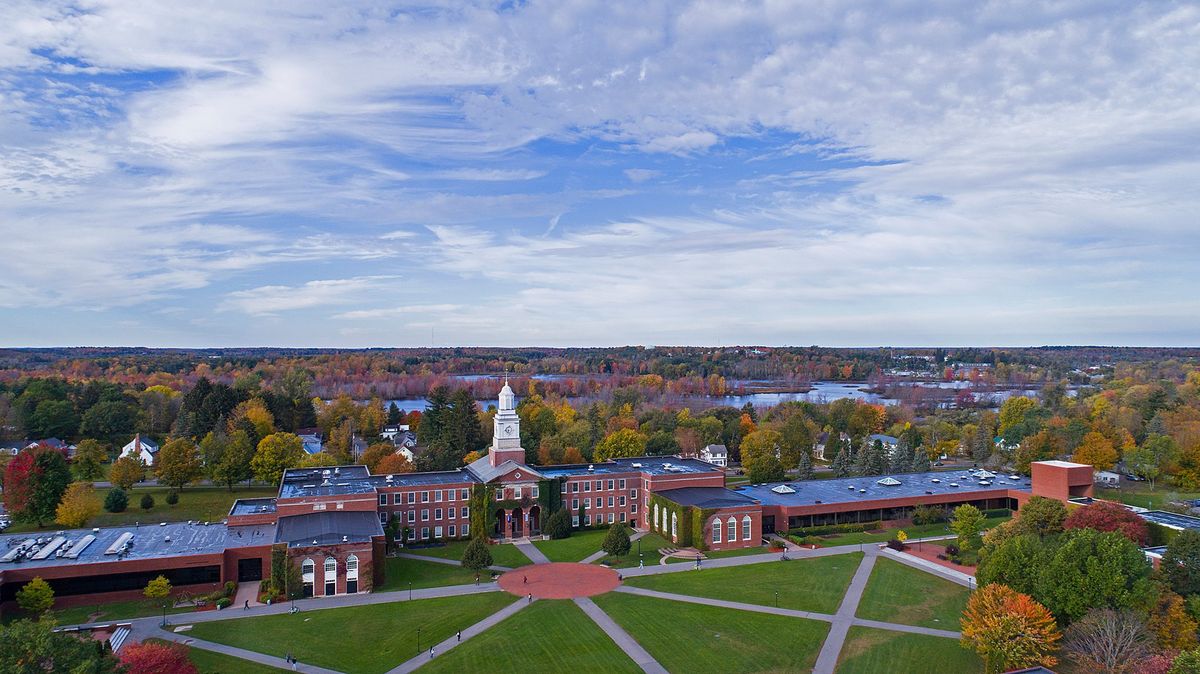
(641, 175)
(407, 311)
(271, 300)
(489, 175)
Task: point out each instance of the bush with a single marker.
(477, 556)
(558, 525)
(923, 514)
(835, 529)
(116, 501)
(896, 545)
(224, 602)
(952, 550)
(230, 588)
(172, 497)
(147, 501)
(616, 542)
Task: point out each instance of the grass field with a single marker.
(803, 584)
(651, 542)
(869, 651)
(400, 571)
(209, 504)
(581, 544)
(547, 636)
(504, 554)
(117, 610)
(700, 639)
(360, 639)
(901, 594)
(913, 531)
(218, 663)
(1139, 494)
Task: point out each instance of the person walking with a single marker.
(246, 606)
(459, 635)
(431, 652)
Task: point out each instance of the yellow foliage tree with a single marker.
(1097, 451)
(78, 505)
(1009, 630)
(1173, 628)
(255, 411)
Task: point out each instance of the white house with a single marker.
(1106, 477)
(717, 455)
(141, 448)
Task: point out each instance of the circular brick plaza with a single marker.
(559, 580)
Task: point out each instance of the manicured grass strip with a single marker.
(803, 584)
(504, 554)
(737, 552)
(1139, 494)
(400, 571)
(699, 639)
(869, 651)
(358, 639)
(203, 504)
(913, 531)
(581, 544)
(117, 610)
(651, 543)
(901, 594)
(549, 636)
(209, 662)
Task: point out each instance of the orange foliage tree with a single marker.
(1009, 630)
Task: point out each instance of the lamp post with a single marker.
(164, 620)
(776, 598)
(410, 590)
(418, 641)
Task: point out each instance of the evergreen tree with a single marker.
(558, 525)
(862, 462)
(842, 463)
(394, 416)
(877, 459)
(116, 500)
(982, 445)
(901, 460)
(805, 466)
(431, 432)
(616, 541)
(920, 462)
(477, 556)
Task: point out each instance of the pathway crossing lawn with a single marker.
(581, 544)
(548, 636)
(695, 639)
(651, 543)
(399, 571)
(868, 651)
(367, 639)
(803, 584)
(901, 594)
(504, 554)
(219, 663)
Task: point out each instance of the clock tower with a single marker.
(506, 430)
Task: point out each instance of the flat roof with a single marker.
(252, 506)
(1063, 464)
(328, 528)
(651, 465)
(354, 480)
(1172, 520)
(707, 497)
(148, 541)
(856, 489)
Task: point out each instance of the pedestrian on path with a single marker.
(530, 598)
(459, 635)
(524, 580)
(476, 577)
(431, 652)
(246, 606)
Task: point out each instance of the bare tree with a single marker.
(1113, 642)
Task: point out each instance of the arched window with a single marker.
(352, 574)
(330, 565)
(731, 532)
(674, 526)
(306, 569)
(746, 528)
(330, 576)
(716, 530)
(656, 516)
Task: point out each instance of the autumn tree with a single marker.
(1096, 451)
(276, 453)
(1181, 563)
(476, 555)
(1173, 628)
(375, 453)
(35, 597)
(254, 412)
(234, 463)
(393, 463)
(1109, 641)
(1040, 516)
(623, 443)
(89, 454)
(178, 463)
(78, 505)
(32, 647)
(1152, 458)
(967, 523)
(159, 588)
(1109, 516)
(126, 472)
(161, 657)
(1009, 630)
(34, 482)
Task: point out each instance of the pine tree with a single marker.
(901, 460)
(477, 556)
(394, 415)
(842, 463)
(862, 462)
(616, 542)
(920, 462)
(877, 459)
(558, 525)
(805, 466)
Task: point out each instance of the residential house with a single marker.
(717, 455)
(141, 448)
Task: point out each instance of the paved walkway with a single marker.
(532, 552)
(952, 575)
(600, 554)
(827, 660)
(254, 656)
(442, 560)
(474, 630)
(247, 592)
(619, 636)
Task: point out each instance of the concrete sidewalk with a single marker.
(952, 575)
(620, 637)
(530, 550)
(453, 641)
(827, 660)
(253, 656)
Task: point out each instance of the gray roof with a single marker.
(482, 468)
(652, 465)
(328, 528)
(1172, 520)
(707, 497)
(717, 450)
(854, 489)
(252, 506)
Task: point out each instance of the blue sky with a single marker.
(599, 173)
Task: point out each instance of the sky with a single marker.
(328, 174)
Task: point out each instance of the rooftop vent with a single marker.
(345, 539)
(888, 482)
(984, 483)
(935, 480)
(391, 477)
(1014, 477)
(591, 468)
(326, 473)
(862, 491)
(783, 489)
(953, 484)
(636, 465)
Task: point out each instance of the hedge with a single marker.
(827, 529)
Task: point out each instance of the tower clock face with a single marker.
(508, 430)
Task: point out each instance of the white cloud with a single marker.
(641, 175)
(270, 300)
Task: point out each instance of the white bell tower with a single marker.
(506, 429)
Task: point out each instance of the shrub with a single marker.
(558, 525)
(952, 550)
(835, 529)
(896, 544)
(924, 514)
(224, 602)
(616, 542)
(116, 501)
(477, 556)
(172, 497)
(152, 658)
(230, 588)
(147, 501)
(36, 596)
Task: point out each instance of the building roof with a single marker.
(252, 506)
(716, 450)
(327, 528)
(1171, 520)
(885, 439)
(652, 465)
(331, 481)
(853, 489)
(483, 469)
(707, 497)
(1063, 464)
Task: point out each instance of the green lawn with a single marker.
(116, 610)
(547, 636)
(651, 543)
(400, 571)
(581, 544)
(1141, 496)
(868, 651)
(803, 584)
(698, 639)
(913, 531)
(504, 554)
(203, 504)
(367, 639)
(219, 663)
(901, 594)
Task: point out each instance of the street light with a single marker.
(776, 598)
(418, 641)
(410, 590)
(164, 620)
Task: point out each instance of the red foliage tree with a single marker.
(18, 485)
(157, 658)
(1109, 516)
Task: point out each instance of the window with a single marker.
(330, 576)
(352, 574)
(396, 498)
(424, 514)
(535, 491)
(587, 520)
(610, 501)
(574, 520)
(412, 497)
(383, 499)
(437, 513)
(622, 517)
(746, 528)
(732, 530)
(465, 512)
(611, 518)
(462, 495)
(424, 533)
(452, 512)
(574, 486)
(450, 494)
(599, 485)
(453, 532)
(716, 531)
(574, 504)
(500, 494)
(656, 515)
(587, 486)
(622, 483)
(633, 494)
(412, 516)
(610, 485)
(412, 534)
(437, 532)
(633, 508)
(424, 497)
(621, 501)
(674, 525)
(599, 501)
(306, 570)
(564, 487)
(516, 492)
(437, 496)
(383, 517)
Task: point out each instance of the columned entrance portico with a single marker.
(518, 522)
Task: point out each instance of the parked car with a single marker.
(1134, 478)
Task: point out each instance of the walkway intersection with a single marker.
(578, 581)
